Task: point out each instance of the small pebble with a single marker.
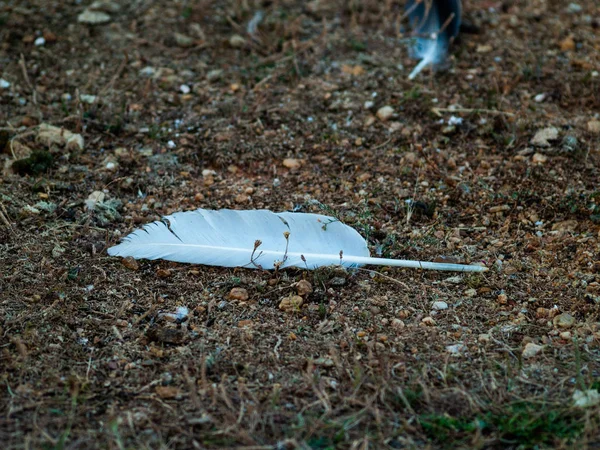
(455, 349)
(531, 350)
(385, 112)
(163, 273)
(291, 303)
(454, 280)
(453, 120)
(567, 44)
(50, 36)
(292, 163)
(182, 40)
(130, 263)
(593, 126)
(237, 41)
(439, 306)
(403, 314)
(87, 98)
(337, 281)
(543, 137)
(370, 120)
(182, 313)
(93, 17)
(538, 158)
(93, 199)
(569, 144)
(564, 320)
(239, 294)
(168, 392)
(585, 399)
(428, 321)
(147, 71)
(397, 324)
(303, 288)
(566, 335)
(214, 75)
(241, 198)
(222, 305)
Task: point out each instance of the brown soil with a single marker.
(278, 120)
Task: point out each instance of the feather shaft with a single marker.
(428, 59)
(411, 264)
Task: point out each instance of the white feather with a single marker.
(229, 238)
(430, 56)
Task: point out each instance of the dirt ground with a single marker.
(165, 106)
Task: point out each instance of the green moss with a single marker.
(39, 162)
(524, 424)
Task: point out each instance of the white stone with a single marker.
(93, 17)
(86, 98)
(531, 350)
(75, 142)
(93, 199)
(585, 399)
(456, 349)
(543, 137)
(470, 293)
(453, 120)
(539, 158)
(454, 280)
(147, 71)
(440, 306)
(385, 112)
